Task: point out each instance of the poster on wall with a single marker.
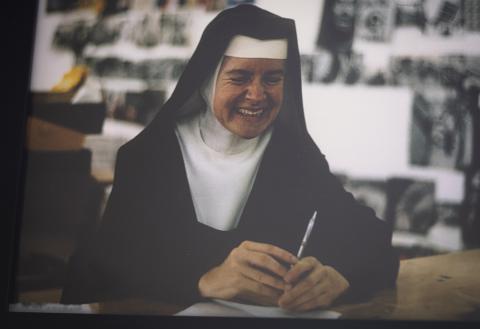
(375, 20)
(411, 204)
(441, 130)
(369, 192)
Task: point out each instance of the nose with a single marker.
(255, 91)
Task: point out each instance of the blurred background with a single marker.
(391, 96)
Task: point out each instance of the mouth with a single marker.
(251, 112)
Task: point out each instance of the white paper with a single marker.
(212, 309)
(50, 308)
(231, 309)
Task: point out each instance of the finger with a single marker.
(266, 262)
(272, 250)
(322, 301)
(316, 278)
(262, 277)
(258, 293)
(314, 292)
(301, 268)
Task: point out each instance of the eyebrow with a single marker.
(247, 72)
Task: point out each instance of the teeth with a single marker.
(250, 113)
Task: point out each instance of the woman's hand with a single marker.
(309, 285)
(252, 272)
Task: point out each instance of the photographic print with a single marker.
(152, 71)
(181, 156)
(375, 20)
(105, 7)
(449, 70)
(442, 18)
(337, 28)
(471, 15)
(448, 214)
(411, 205)
(327, 67)
(441, 130)
(371, 193)
(143, 29)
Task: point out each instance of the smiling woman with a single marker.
(249, 94)
(212, 199)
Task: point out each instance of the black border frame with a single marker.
(18, 24)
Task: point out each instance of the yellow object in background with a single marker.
(97, 5)
(71, 80)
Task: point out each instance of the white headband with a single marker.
(246, 47)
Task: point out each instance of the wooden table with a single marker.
(443, 287)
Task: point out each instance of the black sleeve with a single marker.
(136, 252)
(93, 268)
(354, 241)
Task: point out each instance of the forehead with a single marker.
(261, 65)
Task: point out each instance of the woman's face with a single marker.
(248, 94)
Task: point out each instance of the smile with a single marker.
(251, 113)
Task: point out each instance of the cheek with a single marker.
(224, 99)
(221, 106)
(277, 97)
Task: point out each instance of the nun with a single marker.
(213, 197)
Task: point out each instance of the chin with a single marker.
(246, 134)
(249, 136)
(249, 129)
(246, 127)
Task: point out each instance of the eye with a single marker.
(239, 80)
(273, 80)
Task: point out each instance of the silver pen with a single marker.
(311, 222)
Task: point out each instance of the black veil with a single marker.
(254, 22)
